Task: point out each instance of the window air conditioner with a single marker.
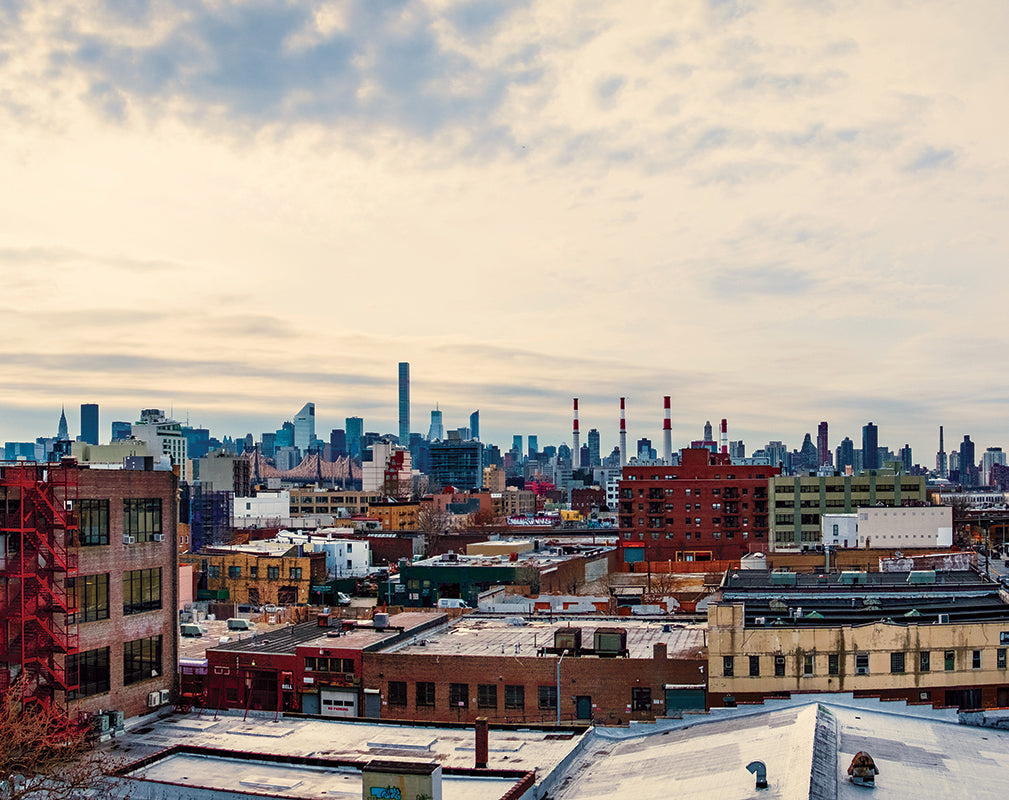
(129, 539)
(944, 619)
(164, 696)
(154, 699)
(861, 670)
(159, 537)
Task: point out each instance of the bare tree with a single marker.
(433, 522)
(45, 755)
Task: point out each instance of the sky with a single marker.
(775, 212)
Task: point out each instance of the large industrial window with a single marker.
(90, 671)
(548, 698)
(142, 518)
(754, 666)
(833, 664)
(234, 572)
(515, 696)
(897, 663)
(92, 597)
(486, 695)
(141, 659)
(141, 590)
(397, 693)
(93, 522)
(641, 698)
(458, 695)
(425, 693)
(924, 661)
(295, 573)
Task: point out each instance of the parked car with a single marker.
(342, 599)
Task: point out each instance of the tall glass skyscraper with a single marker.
(870, 446)
(404, 403)
(355, 430)
(474, 424)
(304, 427)
(437, 431)
(89, 423)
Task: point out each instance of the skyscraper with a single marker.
(593, 448)
(404, 403)
(968, 466)
(89, 423)
(870, 446)
(822, 446)
(304, 427)
(534, 447)
(355, 430)
(63, 433)
(906, 458)
(517, 444)
(846, 454)
(437, 431)
(941, 464)
(474, 424)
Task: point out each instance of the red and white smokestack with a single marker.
(667, 434)
(623, 435)
(725, 436)
(576, 450)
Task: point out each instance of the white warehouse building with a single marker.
(906, 526)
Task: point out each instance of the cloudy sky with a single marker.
(777, 212)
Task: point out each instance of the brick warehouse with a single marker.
(484, 667)
(109, 610)
(705, 509)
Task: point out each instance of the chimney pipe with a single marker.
(667, 434)
(576, 450)
(725, 436)
(482, 746)
(623, 435)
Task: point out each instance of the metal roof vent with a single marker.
(758, 768)
(863, 770)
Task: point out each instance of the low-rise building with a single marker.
(915, 526)
(259, 572)
(333, 502)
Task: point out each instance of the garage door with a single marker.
(338, 703)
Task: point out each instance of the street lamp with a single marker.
(559, 660)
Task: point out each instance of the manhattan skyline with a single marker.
(773, 212)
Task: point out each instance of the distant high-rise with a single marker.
(404, 403)
(941, 464)
(354, 427)
(121, 431)
(822, 445)
(304, 427)
(846, 454)
(707, 431)
(594, 460)
(534, 446)
(437, 431)
(645, 449)
(737, 450)
(63, 433)
(474, 424)
(991, 457)
(89, 423)
(517, 444)
(905, 457)
(968, 466)
(338, 442)
(870, 446)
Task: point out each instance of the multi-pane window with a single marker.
(213, 570)
(397, 693)
(754, 666)
(949, 660)
(425, 693)
(833, 664)
(142, 518)
(93, 522)
(234, 571)
(779, 666)
(486, 695)
(458, 695)
(975, 662)
(323, 664)
(924, 661)
(90, 671)
(728, 666)
(273, 573)
(897, 663)
(641, 698)
(253, 572)
(141, 590)
(547, 698)
(92, 597)
(141, 659)
(515, 696)
(295, 573)
(861, 663)
(1000, 662)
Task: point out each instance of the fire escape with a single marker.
(38, 629)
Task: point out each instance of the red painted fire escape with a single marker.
(38, 629)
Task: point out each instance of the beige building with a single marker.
(799, 502)
(514, 502)
(336, 502)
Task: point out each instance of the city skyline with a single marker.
(765, 210)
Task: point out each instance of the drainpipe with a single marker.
(559, 660)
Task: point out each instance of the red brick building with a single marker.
(704, 509)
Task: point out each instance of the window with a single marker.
(92, 596)
(323, 664)
(90, 671)
(861, 663)
(486, 695)
(425, 693)
(779, 666)
(515, 696)
(949, 660)
(1000, 658)
(754, 666)
(833, 664)
(234, 572)
(458, 695)
(273, 573)
(142, 518)
(807, 664)
(397, 693)
(924, 661)
(253, 572)
(213, 571)
(641, 698)
(975, 661)
(93, 522)
(141, 590)
(295, 573)
(548, 698)
(141, 659)
(897, 663)
(728, 666)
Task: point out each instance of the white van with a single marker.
(451, 602)
(239, 624)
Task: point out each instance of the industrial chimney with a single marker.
(667, 434)
(623, 435)
(576, 450)
(725, 436)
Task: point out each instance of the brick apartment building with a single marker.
(704, 509)
(89, 585)
(259, 572)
